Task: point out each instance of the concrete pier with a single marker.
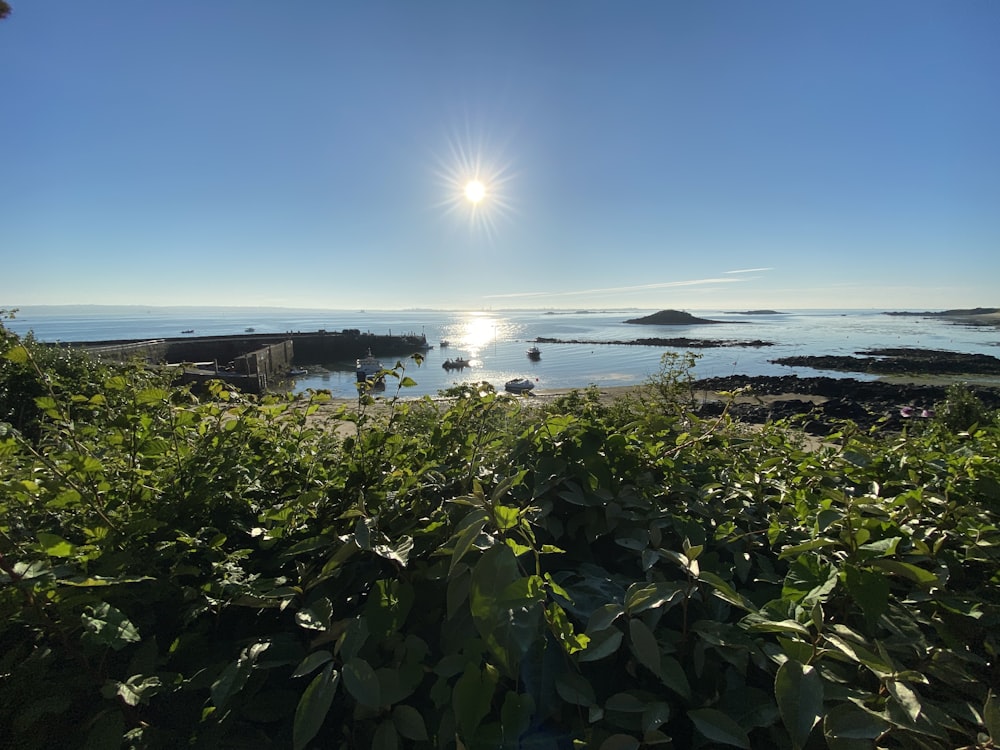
(253, 360)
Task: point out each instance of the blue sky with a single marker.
(663, 154)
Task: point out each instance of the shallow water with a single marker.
(496, 341)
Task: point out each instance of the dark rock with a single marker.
(671, 318)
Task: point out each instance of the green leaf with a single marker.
(515, 716)
(847, 727)
(991, 716)
(385, 737)
(726, 592)
(138, 689)
(108, 626)
(909, 571)
(906, 697)
(152, 396)
(603, 617)
(362, 683)
(313, 707)
(576, 689)
(620, 742)
(472, 697)
(655, 715)
(641, 597)
(718, 727)
(55, 546)
(644, 645)
(808, 580)
(312, 662)
(563, 630)
(317, 616)
(870, 590)
(470, 529)
(626, 702)
(760, 624)
(602, 643)
(798, 690)
(409, 723)
(506, 517)
(17, 354)
(673, 676)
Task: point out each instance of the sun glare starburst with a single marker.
(475, 186)
(475, 191)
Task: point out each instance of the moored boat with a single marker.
(518, 385)
(456, 364)
(368, 368)
(534, 353)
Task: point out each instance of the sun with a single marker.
(475, 191)
(475, 185)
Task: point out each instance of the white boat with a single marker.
(518, 385)
(368, 368)
(534, 353)
(296, 371)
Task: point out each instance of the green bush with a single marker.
(230, 572)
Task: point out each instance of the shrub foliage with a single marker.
(223, 571)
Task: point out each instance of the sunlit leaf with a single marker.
(55, 546)
(108, 626)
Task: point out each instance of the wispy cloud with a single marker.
(749, 270)
(615, 289)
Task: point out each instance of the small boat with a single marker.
(444, 343)
(534, 353)
(456, 364)
(368, 368)
(297, 371)
(249, 330)
(518, 385)
(189, 330)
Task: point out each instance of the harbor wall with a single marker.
(253, 361)
(310, 348)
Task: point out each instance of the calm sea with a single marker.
(496, 341)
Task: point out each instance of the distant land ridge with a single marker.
(951, 313)
(671, 318)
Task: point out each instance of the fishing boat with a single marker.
(534, 353)
(518, 385)
(456, 364)
(369, 369)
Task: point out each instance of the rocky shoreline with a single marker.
(895, 361)
(681, 343)
(823, 401)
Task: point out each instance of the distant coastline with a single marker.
(975, 316)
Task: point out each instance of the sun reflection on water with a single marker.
(479, 331)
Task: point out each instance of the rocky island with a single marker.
(671, 318)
